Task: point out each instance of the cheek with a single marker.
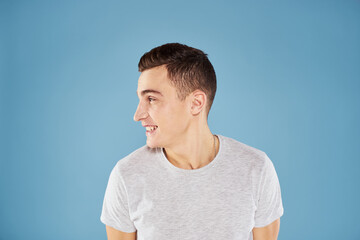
(177, 116)
(169, 116)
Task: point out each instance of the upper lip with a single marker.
(148, 125)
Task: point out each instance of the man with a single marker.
(187, 183)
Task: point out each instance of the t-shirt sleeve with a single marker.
(115, 210)
(269, 203)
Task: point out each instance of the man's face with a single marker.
(165, 117)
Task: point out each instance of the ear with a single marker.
(198, 102)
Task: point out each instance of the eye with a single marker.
(151, 99)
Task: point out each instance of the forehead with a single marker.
(155, 79)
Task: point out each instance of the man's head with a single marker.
(176, 89)
(188, 69)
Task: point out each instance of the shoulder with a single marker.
(247, 156)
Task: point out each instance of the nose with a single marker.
(140, 113)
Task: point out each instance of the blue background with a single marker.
(288, 84)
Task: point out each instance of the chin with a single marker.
(151, 144)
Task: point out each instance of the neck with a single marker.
(194, 150)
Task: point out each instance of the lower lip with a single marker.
(150, 133)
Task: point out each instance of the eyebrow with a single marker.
(143, 92)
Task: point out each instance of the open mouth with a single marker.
(150, 130)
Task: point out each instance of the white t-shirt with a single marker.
(237, 191)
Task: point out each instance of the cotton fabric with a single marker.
(237, 191)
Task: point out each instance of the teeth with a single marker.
(151, 128)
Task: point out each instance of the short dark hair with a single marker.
(188, 69)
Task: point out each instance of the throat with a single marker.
(191, 160)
